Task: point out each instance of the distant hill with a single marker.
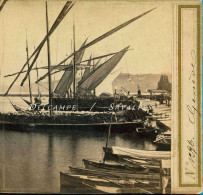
(125, 80)
(130, 82)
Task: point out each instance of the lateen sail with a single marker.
(87, 69)
(105, 35)
(67, 78)
(95, 77)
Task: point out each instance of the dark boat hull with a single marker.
(112, 167)
(115, 126)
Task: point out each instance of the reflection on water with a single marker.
(33, 160)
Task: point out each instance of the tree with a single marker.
(164, 83)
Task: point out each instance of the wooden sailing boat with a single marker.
(90, 80)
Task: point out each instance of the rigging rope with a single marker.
(43, 86)
(12, 102)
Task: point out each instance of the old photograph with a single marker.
(86, 95)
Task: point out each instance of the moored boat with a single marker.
(69, 91)
(114, 174)
(85, 122)
(79, 184)
(89, 164)
(151, 154)
(83, 182)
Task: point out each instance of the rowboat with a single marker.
(150, 154)
(151, 165)
(79, 184)
(89, 164)
(82, 181)
(114, 174)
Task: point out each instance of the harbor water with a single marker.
(31, 161)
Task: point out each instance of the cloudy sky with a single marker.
(150, 37)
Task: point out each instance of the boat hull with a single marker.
(112, 167)
(115, 126)
(141, 153)
(114, 174)
(70, 184)
(84, 183)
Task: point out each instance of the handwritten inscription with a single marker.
(190, 163)
(192, 113)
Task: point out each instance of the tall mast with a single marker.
(74, 63)
(49, 63)
(28, 65)
(37, 78)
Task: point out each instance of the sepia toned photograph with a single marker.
(88, 93)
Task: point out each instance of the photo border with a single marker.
(180, 7)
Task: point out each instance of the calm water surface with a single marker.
(31, 161)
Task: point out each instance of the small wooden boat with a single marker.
(151, 166)
(140, 161)
(150, 154)
(114, 174)
(83, 181)
(110, 166)
(79, 184)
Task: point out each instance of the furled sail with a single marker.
(95, 77)
(67, 77)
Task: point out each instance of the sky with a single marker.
(150, 37)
